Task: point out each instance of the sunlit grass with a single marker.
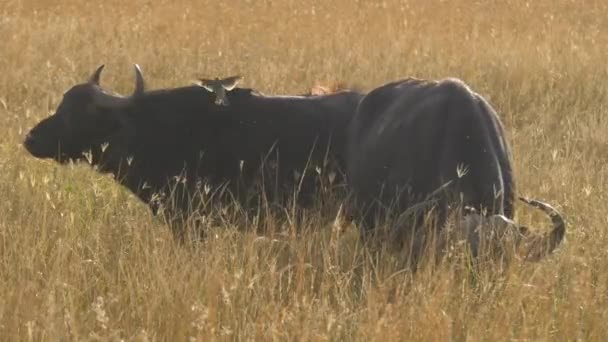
(83, 259)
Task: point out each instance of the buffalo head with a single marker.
(85, 118)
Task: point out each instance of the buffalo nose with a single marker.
(28, 139)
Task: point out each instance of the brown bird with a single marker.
(219, 87)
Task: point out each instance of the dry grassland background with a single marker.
(82, 259)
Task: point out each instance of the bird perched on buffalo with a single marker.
(219, 87)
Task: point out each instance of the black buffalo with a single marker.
(166, 145)
(411, 137)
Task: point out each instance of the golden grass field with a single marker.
(82, 259)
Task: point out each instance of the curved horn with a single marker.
(545, 244)
(103, 99)
(139, 81)
(94, 79)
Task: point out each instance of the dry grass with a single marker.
(82, 259)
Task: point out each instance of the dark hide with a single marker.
(409, 138)
(175, 141)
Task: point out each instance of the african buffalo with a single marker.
(411, 137)
(164, 145)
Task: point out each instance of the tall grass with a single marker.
(82, 259)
